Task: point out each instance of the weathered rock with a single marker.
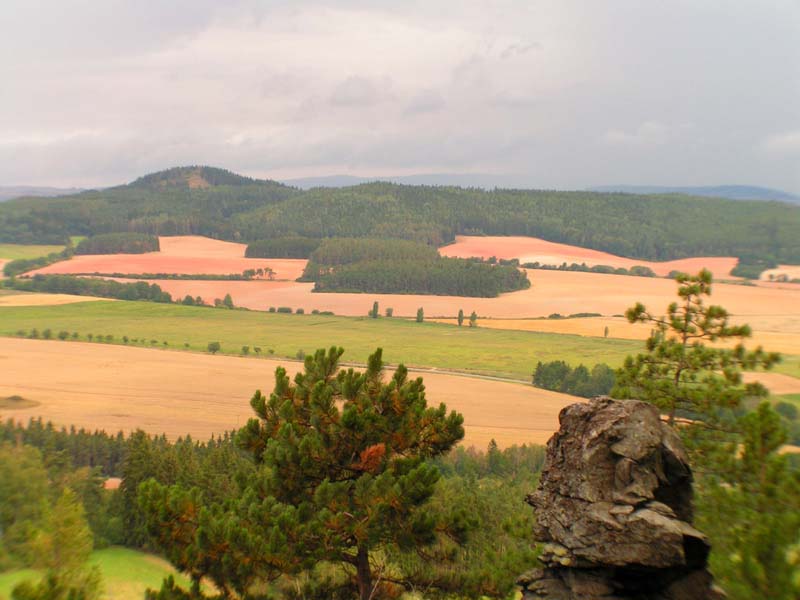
(614, 510)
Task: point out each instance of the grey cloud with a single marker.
(558, 93)
(359, 91)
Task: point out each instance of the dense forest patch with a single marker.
(405, 267)
(118, 243)
(283, 247)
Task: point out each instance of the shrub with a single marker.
(300, 355)
(300, 311)
(214, 347)
(271, 309)
(285, 309)
(245, 350)
(389, 311)
(63, 335)
(47, 334)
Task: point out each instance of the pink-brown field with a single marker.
(564, 292)
(530, 249)
(188, 255)
(768, 307)
(123, 388)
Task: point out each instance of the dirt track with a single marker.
(116, 387)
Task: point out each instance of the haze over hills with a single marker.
(732, 192)
(7, 192)
(489, 181)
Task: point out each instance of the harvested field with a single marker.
(116, 387)
(788, 271)
(620, 328)
(764, 308)
(191, 255)
(43, 299)
(530, 249)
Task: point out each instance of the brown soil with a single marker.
(192, 255)
(116, 387)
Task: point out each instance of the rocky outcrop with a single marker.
(614, 510)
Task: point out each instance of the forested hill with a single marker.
(217, 203)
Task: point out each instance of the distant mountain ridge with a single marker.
(489, 181)
(732, 192)
(8, 192)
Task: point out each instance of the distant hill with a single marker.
(214, 202)
(732, 192)
(193, 177)
(18, 191)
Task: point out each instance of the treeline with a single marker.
(82, 286)
(634, 271)
(23, 265)
(79, 447)
(283, 247)
(651, 227)
(119, 243)
(558, 376)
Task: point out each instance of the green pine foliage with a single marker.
(342, 478)
(747, 492)
(678, 372)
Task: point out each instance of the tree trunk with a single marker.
(364, 574)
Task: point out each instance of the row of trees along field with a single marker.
(231, 207)
(404, 267)
(84, 286)
(118, 243)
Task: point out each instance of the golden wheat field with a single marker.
(173, 392)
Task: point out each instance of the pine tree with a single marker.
(679, 372)
(342, 478)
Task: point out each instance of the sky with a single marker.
(556, 94)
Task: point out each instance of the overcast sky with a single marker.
(559, 93)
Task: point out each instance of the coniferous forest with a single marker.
(231, 207)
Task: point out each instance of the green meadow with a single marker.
(126, 574)
(487, 351)
(16, 251)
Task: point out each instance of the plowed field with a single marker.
(530, 249)
(190, 255)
